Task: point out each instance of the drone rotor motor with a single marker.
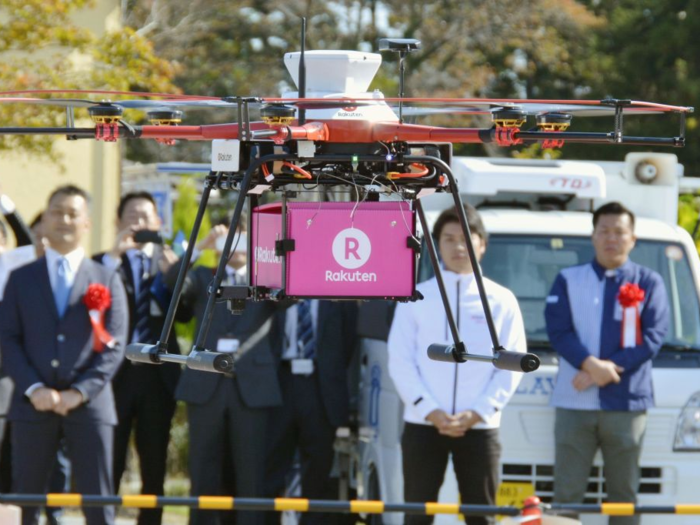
(553, 122)
(277, 114)
(165, 117)
(508, 122)
(106, 116)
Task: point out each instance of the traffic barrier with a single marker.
(230, 503)
(353, 506)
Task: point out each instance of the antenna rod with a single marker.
(302, 72)
(402, 72)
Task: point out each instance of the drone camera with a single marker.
(405, 45)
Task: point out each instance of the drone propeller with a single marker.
(416, 106)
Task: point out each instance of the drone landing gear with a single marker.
(202, 359)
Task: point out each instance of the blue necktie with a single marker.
(61, 292)
(305, 330)
(142, 329)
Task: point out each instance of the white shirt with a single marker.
(13, 259)
(291, 348)
(425, 385)
(74, 259)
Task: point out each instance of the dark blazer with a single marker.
(635, 390)
(256, 375)
(39, 347)
(336, 339)
(169, 374)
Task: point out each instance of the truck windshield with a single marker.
(527, 265)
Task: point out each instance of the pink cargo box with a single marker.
(340, 249)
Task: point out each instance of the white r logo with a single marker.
(351, 248)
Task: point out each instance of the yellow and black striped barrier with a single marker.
(621, 509)
(230, 503)
(353, 506)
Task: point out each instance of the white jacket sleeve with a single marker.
(511, 335)
(403, 367)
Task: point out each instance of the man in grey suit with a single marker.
(228, 415)
(61, 373)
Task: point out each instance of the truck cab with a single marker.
(539, 218)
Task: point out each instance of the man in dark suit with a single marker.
(228, 414)
(318, 340)
(144, 394)
(61, 374)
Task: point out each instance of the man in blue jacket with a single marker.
(607, 319)
(61, 373)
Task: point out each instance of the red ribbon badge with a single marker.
(630, 296)
(98, 299)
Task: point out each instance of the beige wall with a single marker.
(94, 166)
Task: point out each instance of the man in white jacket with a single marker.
(453, 409)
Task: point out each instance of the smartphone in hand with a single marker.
(146, 236)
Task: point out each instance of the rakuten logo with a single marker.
(351, 248)
(351, 277)
(266, 255)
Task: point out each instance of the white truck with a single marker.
(538, 215)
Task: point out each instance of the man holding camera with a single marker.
(144, 395)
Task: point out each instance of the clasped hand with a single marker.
(46, 399)
(596, 371)
(453, 425)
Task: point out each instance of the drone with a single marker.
(333, 133)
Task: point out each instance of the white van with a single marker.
(538, 215)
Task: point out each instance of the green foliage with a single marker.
(688, 214)
(42, 47)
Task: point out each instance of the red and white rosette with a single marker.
(98, 299)
(630, 297)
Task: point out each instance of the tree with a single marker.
(649, 51)
(42, 47)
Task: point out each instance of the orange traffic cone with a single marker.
(532, 513)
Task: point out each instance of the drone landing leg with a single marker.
(432, 252)
(221, 270)
(501, 358)
(158, 353)
(186, 259)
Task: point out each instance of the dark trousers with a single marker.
(475, 457)
(89, 447)
(301, 423)
(145, 404)
(226, 437)
(59, 481)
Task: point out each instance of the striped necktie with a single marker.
(142, 329)
(306, 339)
